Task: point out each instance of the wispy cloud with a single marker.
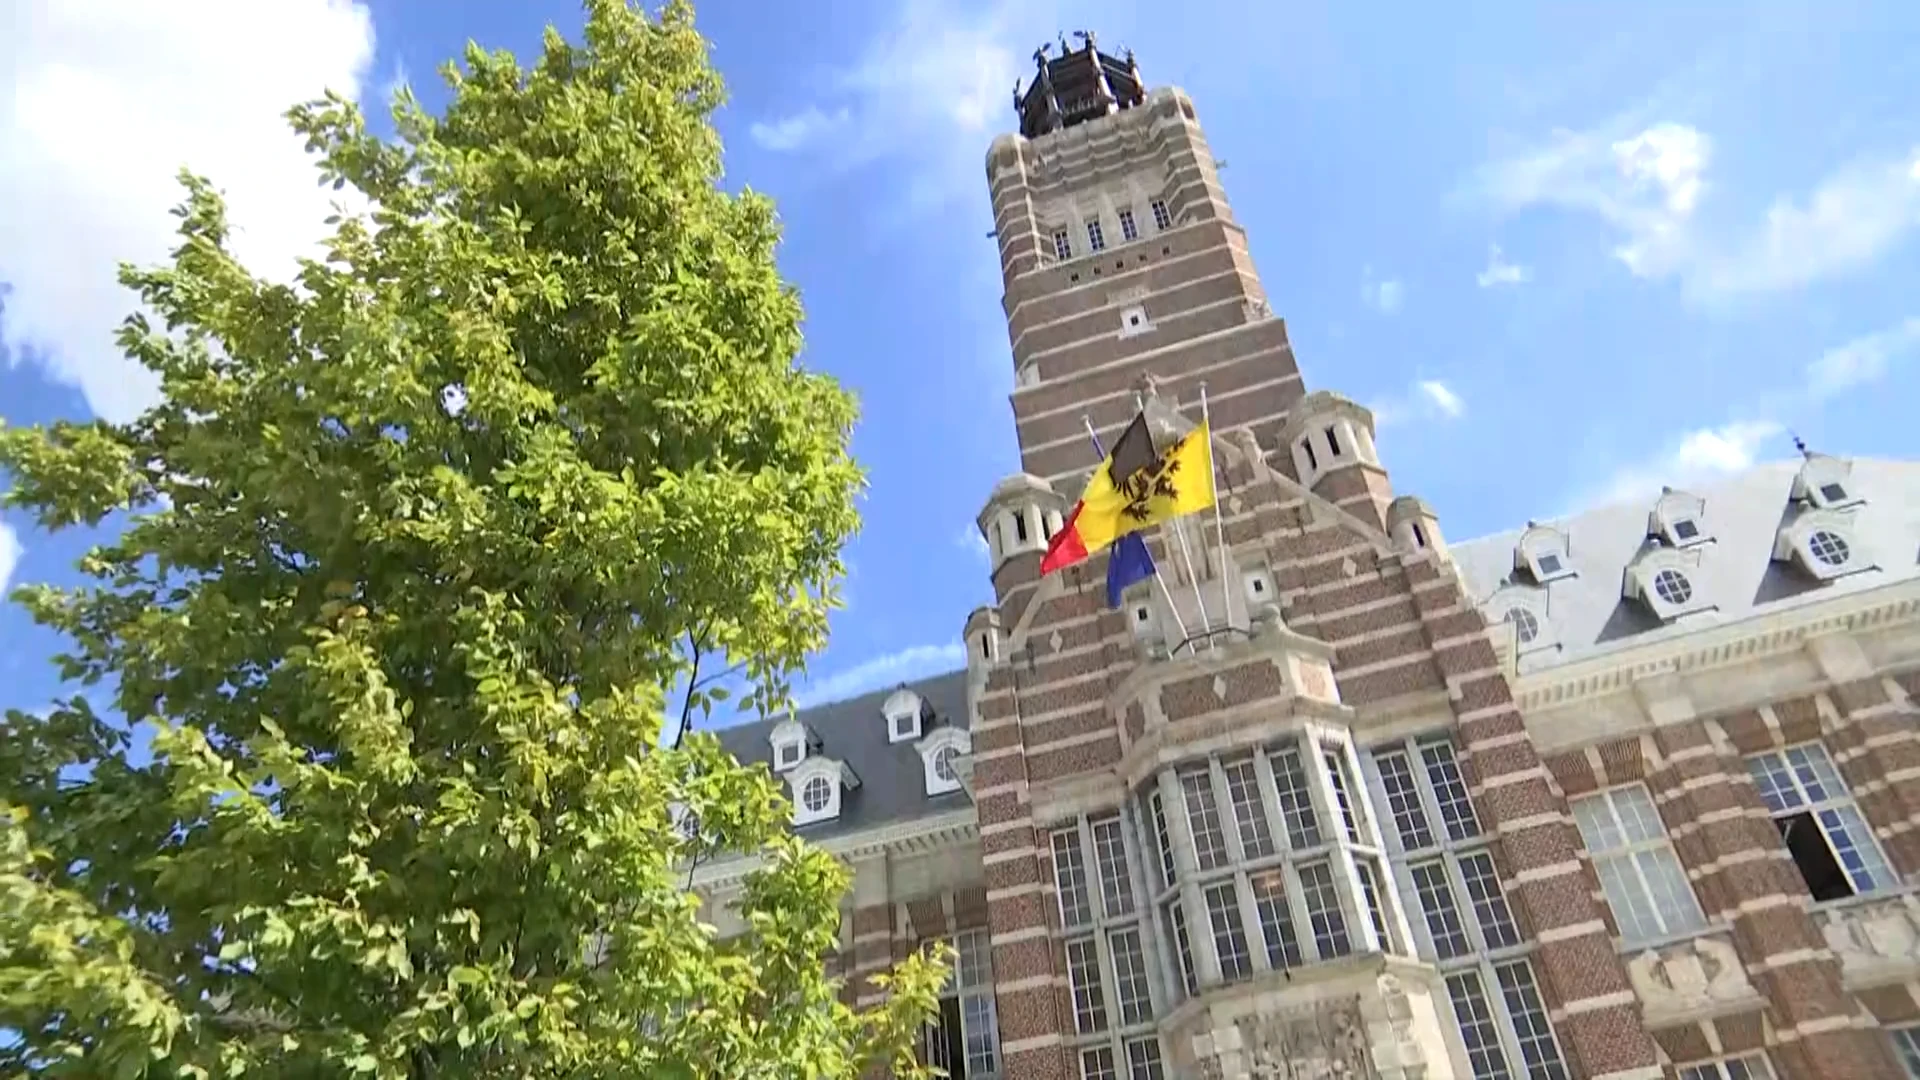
(1649, 182)
(913, 662)
(799, 130)
(1696, 457)
(109, 99)
(969, 539)
(931, 90)
(1383, 296)
(1501, 272)
(1426, 399)
(10, 552)
(1861, 361)
(1705, 454)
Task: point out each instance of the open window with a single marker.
(1822, 828)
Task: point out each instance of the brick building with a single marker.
(1629, 795)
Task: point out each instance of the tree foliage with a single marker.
(414, 550)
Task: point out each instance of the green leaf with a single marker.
(399, 567)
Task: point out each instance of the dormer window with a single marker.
(1678, 519)
(1829, 548)
(1542, 553)
(1520, 608)
(1134, 320)
(940, 754)
(1258, 589)
(903, 710)
(1825, 483)
(1822, 543)
(1673, 587)
(815, 794)
(816, 787)
(1664, 579)
(790, 740)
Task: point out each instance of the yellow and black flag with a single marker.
(1136, 487)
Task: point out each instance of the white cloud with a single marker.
(1442, 397)
(110, 99)
(932, 91)
(974, 542)
(798, 130)
(10, 552)
(913, 662)
(1862, 360)
(1426, 399)
(1501, 272)
(1697, 457)
(1382, 296)
(1649, 184)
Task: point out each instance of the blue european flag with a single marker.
(1127, 562)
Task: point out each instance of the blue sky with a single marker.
(1566, 254)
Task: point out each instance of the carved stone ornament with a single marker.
(1876, 941)
(1326, 1041)
(1700, 975)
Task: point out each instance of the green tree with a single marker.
(414, 551)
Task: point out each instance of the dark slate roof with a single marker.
(1586, 614)
(892, 780)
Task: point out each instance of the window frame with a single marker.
(1455, 839)
(1629, 853)
(1880, 868)
(1307, 812)
(1102, 926)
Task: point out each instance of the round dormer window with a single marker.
(1672, 587)
(816, 794)
(1829, 547)
(943, 764)
(1525, 626)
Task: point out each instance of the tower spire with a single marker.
(1076, 85)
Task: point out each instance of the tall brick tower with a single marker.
(1183, 874)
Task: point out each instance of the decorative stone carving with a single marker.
(1877, 942)
(1325, 1041)
(1693, 978)
(1314, 677)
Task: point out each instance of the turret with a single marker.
(982, 639)
(1414, 528)
(1019, 518)
(1329, 440)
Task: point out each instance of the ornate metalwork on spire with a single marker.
(1080, 84)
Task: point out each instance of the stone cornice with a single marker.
(1709, 648)
(914, 837)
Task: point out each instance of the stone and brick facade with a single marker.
(1632, 796)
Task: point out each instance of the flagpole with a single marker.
(1186, 557)
(1219, 521)
(1165, 593)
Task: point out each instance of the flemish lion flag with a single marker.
(1134, 489)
